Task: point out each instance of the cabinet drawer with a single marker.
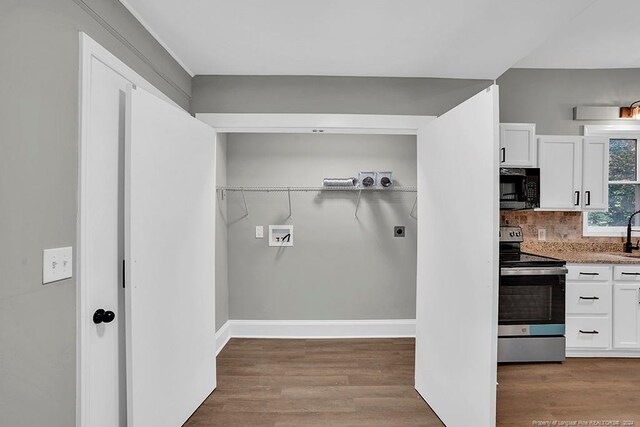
(588, 298)
(588, 332)
(626, 273)
(589, 273)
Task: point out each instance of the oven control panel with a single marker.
(511, 234)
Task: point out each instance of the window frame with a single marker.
(613, 132)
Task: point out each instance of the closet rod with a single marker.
(291, 189)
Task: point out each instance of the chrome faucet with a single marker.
(628, 246)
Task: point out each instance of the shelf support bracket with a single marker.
(413, 208)
(355, 214)
(244, 200)
(289, 195)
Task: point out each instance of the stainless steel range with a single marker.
(531, 310)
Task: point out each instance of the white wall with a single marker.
(222, 282)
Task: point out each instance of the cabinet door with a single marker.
(518, 145)
(595, 174)
(560, 162)
(626, 315)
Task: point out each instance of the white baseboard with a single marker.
(388, 328)
(222, 336)
(603, 353)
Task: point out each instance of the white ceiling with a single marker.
(404, 38)
(603, 36)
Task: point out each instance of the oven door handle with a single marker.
(533, 271)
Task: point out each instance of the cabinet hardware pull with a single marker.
(503, 152)
(577, 203)
(587, 195)
(589, 332)
(624, 273)
(589, 274)
(590, 298)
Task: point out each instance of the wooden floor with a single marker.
(369, 382)
(576, 390)
(363, 382)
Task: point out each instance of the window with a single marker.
(624, 186)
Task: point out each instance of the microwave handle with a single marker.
(503, 155)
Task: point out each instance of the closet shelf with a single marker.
(290, 189)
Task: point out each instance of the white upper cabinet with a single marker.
(518, 146)
(574, 173)
(595, 174)
(560, 162)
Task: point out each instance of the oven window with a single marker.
(525, 303)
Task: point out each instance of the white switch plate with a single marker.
(57, 264)
(259, 232)
(542, 234)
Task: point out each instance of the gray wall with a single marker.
(306, 94)
(222, 276)
(356, 95)
(547, 97)
(38, 187)
(340, 267)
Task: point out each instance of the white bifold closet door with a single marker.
(457, 277)
(169, 247)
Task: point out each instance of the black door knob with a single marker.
(103, 316)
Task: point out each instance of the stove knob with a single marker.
(511, 234)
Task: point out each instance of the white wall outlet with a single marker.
(57, 264)
(259, 232)
(542, 234)
(281, 235)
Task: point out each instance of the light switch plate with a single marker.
(259, 232)
(57, 264)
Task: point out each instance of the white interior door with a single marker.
(101, 251)
(457, 277)
(169, 248)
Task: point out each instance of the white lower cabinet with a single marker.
(588, 307)
(588, 332)
(603, 310)
(626, 315)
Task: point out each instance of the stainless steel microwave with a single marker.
(519, 188)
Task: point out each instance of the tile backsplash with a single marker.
(559, 226)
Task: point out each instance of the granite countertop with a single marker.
(583, 252)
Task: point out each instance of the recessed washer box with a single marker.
(281, 235)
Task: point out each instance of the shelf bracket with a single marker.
(413, 208)
(355, 214)
(244, 200)
(289, 195)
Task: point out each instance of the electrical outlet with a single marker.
(542, 234)
(259, 232)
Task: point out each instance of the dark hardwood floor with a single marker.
(369, 382)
